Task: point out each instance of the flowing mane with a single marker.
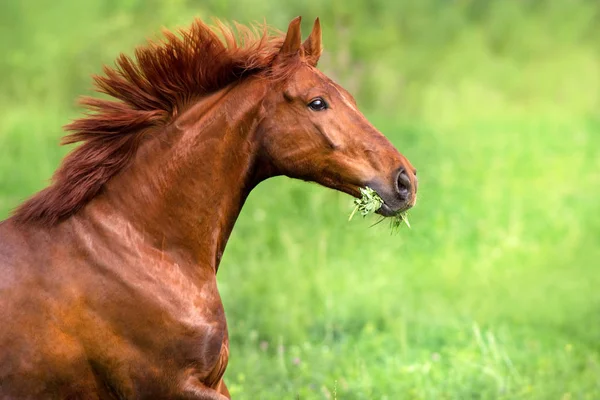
(148, 91)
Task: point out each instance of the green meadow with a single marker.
(495, 291)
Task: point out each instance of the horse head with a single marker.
(312, 129)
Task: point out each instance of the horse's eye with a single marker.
(317, 104)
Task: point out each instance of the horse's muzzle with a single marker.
(398, 195)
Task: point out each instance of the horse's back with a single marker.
(37, 358)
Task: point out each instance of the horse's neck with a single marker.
(186, 186)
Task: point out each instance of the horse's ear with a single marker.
(312, 45)
(293, 39)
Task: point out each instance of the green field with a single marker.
(493, 293)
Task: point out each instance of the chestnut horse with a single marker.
(108, 276)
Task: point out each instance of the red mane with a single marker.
(149, 90)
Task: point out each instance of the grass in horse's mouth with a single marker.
(371, 202)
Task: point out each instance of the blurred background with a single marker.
(493, 293)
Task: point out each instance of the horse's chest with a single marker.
(200, 335)
(199, 340)
(197, 325)
(180, 329)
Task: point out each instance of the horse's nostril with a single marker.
(403, 183)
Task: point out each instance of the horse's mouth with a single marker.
(385, 210)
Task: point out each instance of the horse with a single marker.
(108, 275)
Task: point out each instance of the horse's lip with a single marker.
(386, 211)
